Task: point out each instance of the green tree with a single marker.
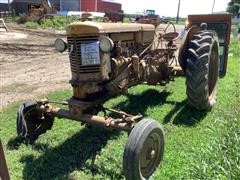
(234, 7)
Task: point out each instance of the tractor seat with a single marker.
(169, 36)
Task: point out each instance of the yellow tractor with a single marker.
(107, 59)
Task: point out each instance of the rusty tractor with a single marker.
(108, 58)
(149, 17)
(38, 12)
(114, 16)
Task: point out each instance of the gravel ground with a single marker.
(29, 65)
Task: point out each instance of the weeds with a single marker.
(33, 25)
(235, 48)
(57, 22)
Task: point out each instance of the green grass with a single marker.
(235, 48)
(8, 19)
(57, 22)
(32, 25)
(198, 145)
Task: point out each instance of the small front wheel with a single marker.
(31, 122)
(144, 150)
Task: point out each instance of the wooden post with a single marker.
(2, 24)
(4, 175)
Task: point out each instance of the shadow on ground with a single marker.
(59, 162)
(183, 114)
(139, 103)
(180, 114)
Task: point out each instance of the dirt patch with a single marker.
(4, 36)
(29, 65)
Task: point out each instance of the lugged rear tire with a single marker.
(202, 70)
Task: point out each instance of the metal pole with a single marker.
(96, 1)
(213, 5)
(179, 2)
(60, 5)
(9, 8)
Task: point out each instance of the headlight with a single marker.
(106, 44)
(60, 45)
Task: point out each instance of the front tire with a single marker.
(144, 150)
(202, 70)
(31, 122)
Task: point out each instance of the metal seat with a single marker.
(170, 36)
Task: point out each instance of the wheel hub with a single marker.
(152, 154)
(149, 154)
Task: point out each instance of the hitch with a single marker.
(125, 122)
(35, 118)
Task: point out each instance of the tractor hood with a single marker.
(88, 27)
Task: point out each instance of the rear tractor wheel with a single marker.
(31, 122)
(144, 150)
(202, 70)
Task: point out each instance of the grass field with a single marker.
(199, 145)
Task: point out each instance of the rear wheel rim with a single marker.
(212, 72)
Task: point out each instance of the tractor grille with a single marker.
(74, 48)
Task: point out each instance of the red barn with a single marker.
(99, 5)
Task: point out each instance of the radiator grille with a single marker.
(74, 49)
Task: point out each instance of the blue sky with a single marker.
(169, 7)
